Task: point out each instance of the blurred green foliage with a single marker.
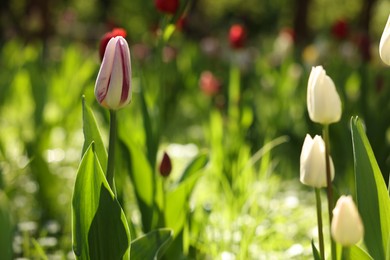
(47, 65)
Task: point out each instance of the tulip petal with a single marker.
(384, 45)
(346, 227)
(312, 162)
(323, 101)
(113, 85)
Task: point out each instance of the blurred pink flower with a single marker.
(209, 84)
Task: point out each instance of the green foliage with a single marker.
(6, 227)
(152, 245)
(316, 253)
(356, 252)
(372, 195)
(92, 134)
(100, 229)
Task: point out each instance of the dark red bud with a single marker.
(167, 6)
(237, 36)
(340, 29)
(166, 165)
(106, 38)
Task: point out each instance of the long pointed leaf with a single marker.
(100, 229)
(141, 175)
(152, 245)
(6, 228)
(372, 196)
(92, 134)
(358, 253)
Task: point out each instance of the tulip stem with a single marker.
(329, 189)
(111, 151)
(319, 221)
(345, 255)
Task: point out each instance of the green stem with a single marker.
(319, 221)
(345, 255)
(329, 189)
(111, 151)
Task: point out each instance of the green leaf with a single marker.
(372, 196)
(141, 175)
(194, 166)
(169, 30)
(316, 254)
(6, 227)
(100, 229)
(358, 253)
(152, 245)
(92, 134)
(151, 139)
(39, 249)
(176, 204)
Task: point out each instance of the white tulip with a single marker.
(323, 101)
(313, 165)
(113, 84)
(384, 45)
(347, 228)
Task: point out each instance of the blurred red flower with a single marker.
(209, 84)
(237, 36)
(106, 38)
(340, 29)
(167, 6)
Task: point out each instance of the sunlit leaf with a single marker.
(372, 196)
(152, 245)
(92, 134)
(176, 204)
(358, 253)
(194, 166)
(100, 229)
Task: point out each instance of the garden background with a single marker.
(248, 202)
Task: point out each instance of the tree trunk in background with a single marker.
(300, 20)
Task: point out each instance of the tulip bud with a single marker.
(167, 6)
(113, 84)
(313, 165)
(106, 38)
(346, 228)
(384, 45)
(323, 101)
(237, 36)
(165, 165)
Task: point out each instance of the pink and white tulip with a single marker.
(113, 84)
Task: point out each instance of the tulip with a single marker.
(106, 38)
(323, 101)
(113, 84)
(340, 29)
(347, 228)
(313, 165)
(384, 45)
(167, 6)
(237, 36)
(165, 165)
(209, 84)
